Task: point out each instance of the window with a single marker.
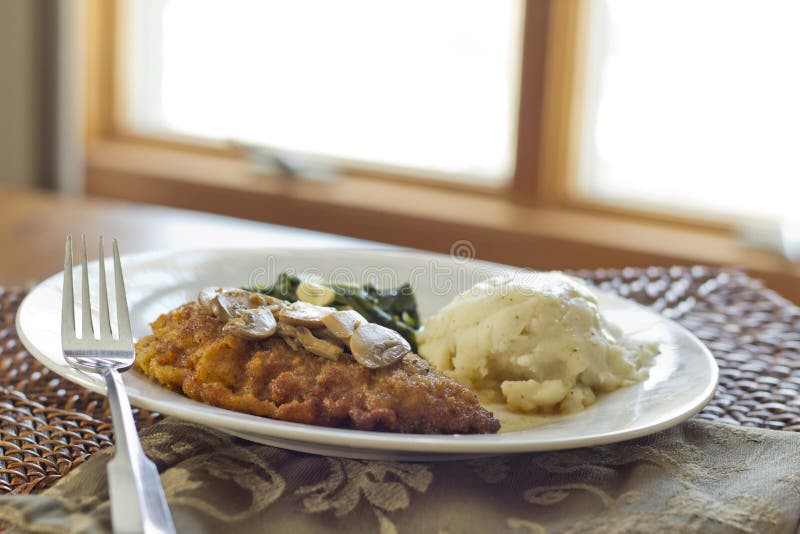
(693, 106)
(426, 87)
(571, 133)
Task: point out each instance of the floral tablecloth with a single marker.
(698, 477)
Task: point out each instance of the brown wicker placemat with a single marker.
(48, 425)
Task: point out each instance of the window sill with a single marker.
(421, 216)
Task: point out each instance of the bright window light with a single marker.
(694, 106)
(427, 87)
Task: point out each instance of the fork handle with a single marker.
(138, 504)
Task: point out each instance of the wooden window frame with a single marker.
(176, 173)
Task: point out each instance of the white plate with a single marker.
(682, 379)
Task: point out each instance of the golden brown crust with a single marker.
(188, 352)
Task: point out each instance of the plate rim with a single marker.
(372, 440)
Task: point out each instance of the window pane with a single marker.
(426, 86)
(694, 105)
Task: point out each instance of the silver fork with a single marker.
(137, 497)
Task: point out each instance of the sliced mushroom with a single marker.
(275, 305)
(304, 314)
(375, 346)
(314, 345)
(324, 333)
(208, 295)
(225, 303)
(256, 323)
(289, 334)
(232, 303)
(292, 342)
(343, 323)
(315, 293)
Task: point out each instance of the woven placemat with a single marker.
(48, 426)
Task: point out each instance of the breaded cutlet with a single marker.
(188, 352)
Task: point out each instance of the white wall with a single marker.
(19, 116)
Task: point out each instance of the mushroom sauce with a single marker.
(320, 330)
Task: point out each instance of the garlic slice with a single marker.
(315, 293)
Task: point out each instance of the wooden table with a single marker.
(33, 226)
(50, 426)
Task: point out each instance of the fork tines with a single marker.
(69, 339)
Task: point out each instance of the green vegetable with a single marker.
(392, 308)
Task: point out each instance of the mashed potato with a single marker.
(538, 340)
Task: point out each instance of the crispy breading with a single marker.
(188, 352)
